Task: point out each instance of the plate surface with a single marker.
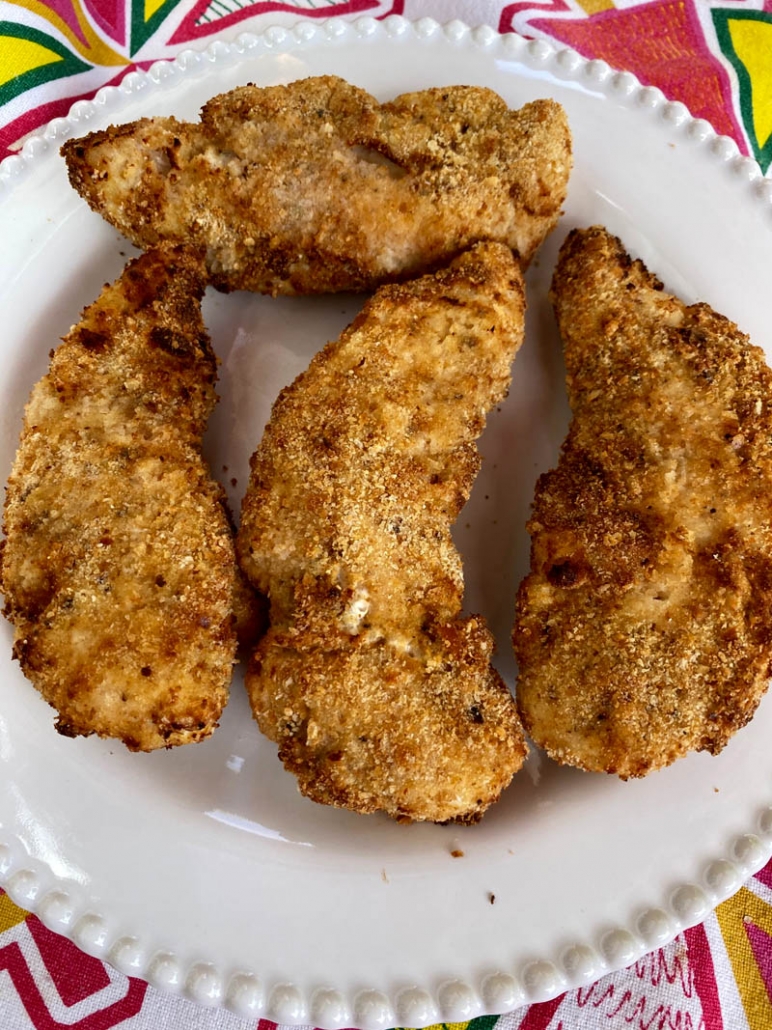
(202, 869)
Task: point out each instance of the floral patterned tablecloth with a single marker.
(714, 56)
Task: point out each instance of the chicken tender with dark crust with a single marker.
(315, 187)
(644, 629)
(378, 693)
(119, 568)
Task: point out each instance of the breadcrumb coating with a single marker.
(644, 630)
(314, 187)
(118, 568)
(378, 693)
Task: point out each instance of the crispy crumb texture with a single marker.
(118, 568)
(378, 693)
(644, 629)
(315, 187)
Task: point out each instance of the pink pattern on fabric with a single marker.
(765, 875)
(110, 17)
(634, 1011)
(64, 9)
(655, 968)
(188, 29)
(761, 946)
(398, 7)
(42, 115)
(662, 43)
(76, 975)
(507, 19)
(704, 973)
(13, 962)
(539, 1016)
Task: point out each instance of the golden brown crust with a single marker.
(315, 187)
(644, 629)
(118, 568)
(379, 694)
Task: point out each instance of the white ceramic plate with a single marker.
(202, 869)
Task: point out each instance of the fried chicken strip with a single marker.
(314, 187)
(378, 693)
(644, 629)
(119, 568)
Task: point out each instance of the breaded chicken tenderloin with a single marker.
(315, 187)
(644, 629)
(118, 568)
(378, 693)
